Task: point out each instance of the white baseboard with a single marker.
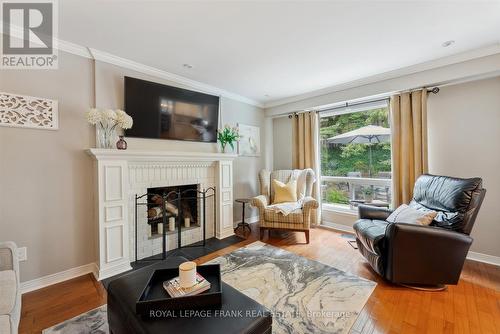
(111, 271)
(59, 277)
(42, 282)
(485, 258)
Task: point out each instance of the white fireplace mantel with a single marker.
(141, 155)
(118, 174)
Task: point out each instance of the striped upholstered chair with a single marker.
(298, 220)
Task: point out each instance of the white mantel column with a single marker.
(224, 224)
(112, 224)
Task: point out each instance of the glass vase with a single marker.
(105, 136)
(223, 148)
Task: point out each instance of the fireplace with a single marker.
(170, 217)
(179, 209)
(122, 175)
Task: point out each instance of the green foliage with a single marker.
(368, 191)
(352, 150)
(336, 196)
(228, 135)
(338, 160)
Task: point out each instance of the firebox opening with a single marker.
(183, 211)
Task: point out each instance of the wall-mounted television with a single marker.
(166, 112)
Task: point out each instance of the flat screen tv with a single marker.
(167, 112)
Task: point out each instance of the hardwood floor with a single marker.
(472, 306)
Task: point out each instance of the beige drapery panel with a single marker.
(408, 114)
(305, 152)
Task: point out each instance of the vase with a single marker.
(121, 144)
(105, 136)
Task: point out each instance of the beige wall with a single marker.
(46, 193)
(464, 141)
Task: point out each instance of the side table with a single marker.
(243, 224)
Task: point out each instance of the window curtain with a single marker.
(305, 153)
(408, 117)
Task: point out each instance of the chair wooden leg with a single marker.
(261, 233)
(307, 236)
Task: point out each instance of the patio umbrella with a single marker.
(370, 134)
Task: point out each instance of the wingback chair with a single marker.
(416, 255)
(299, 219)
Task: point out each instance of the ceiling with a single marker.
(271, 50)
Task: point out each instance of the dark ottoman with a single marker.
(123, 292)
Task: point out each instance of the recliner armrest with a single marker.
(418, 254)
(373, 212)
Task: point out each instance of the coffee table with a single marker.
(238, 313)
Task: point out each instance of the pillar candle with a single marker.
(187, 274)
(160, 228)
(171, 224)
(187, 222)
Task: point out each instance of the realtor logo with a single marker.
(29, 32)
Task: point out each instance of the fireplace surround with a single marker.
(121, 175)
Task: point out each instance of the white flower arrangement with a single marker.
(106, 121)
(123, 120)
(109, 118)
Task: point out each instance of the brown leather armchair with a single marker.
(411, 254)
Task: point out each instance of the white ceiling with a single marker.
(279, 48)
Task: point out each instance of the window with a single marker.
(355, 156)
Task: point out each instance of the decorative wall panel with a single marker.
(28, 112)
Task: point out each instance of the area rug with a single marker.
(305, 296)
(91, 322)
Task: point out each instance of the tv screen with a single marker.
(167, 112)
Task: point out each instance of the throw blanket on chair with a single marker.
(288, 207)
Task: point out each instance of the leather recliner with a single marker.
(406, 253)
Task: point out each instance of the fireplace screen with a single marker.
(173, 217)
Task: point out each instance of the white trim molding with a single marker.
(484, 258)
(42, 282)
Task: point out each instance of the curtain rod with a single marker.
(433, 90)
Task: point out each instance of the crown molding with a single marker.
(73, 48)
(109, 58)
(106, 57)
(425, 66)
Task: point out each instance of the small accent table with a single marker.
(243, 224)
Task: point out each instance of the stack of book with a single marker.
(174, 289)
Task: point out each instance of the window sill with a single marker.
(339, 209)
